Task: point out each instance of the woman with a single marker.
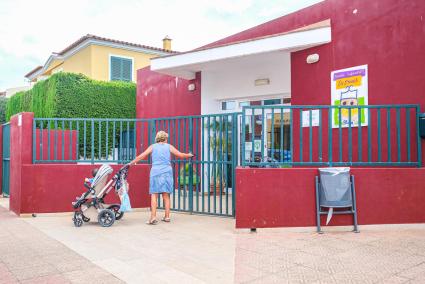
(161, 176)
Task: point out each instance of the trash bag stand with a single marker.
(350, 210)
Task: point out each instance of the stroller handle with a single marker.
(126, 166)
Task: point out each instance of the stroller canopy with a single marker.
(102, 173)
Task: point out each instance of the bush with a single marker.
(69, 95)
(3, 102)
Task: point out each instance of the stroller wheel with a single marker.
(85, 219)
(106, 217)
(78, 219)
(116, 209)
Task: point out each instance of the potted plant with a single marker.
(220, 148)
(184, 176)
(218, 184)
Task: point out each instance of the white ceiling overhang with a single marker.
(185, 65)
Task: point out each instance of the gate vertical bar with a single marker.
(418, 137)
(310, 138)
(221, 161)
(208, 164)
(398, 136)
(77, 141)
(92, 141)
(340, 134)
(234, 159)
(369, 135)
(41, 140)
(301, 134)
(389, 134)
(202, 164)
(350, 138)
(70, 140)
(48, 140)
(99, 153)
(408, 133)
(360, 142)
(320, 136)
(34, 128)
(55, 146)
(282, 157)
(243, 137)
(330, 150)
(190, 186)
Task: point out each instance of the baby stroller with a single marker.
(91, 203)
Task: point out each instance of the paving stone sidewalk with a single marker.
(29, 256)
(201, 249)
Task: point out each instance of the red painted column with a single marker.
(20, 154)
(1, 159)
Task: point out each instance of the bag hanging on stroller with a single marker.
(121, 189)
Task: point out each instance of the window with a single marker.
(272, 102)
(121, 69)
(255, 103)
(242, 104)
(229, 105)
(287, 101)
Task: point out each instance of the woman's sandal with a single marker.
(152, 222)
(168, 220)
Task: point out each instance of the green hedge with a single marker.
(69, 95)
(3, 102)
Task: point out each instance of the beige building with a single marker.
(100, 59)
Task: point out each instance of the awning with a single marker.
(185, 65)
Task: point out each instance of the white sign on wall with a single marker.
(349, 87)
(257, 146)
(248, 146)
(315, 118)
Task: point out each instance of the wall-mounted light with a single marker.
(313, 58)
(262, 82)
(191, 87)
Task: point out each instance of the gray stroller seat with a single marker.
(100, 179)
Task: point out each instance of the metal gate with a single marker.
(205, 184)
(6, 159)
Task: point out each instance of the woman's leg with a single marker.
(166, 198)
(154, 202)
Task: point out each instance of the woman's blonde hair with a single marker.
(161, 136)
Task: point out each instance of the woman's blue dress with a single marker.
(161, 176)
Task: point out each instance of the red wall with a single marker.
(20, 154)
(42, 188)
(1, 159)
(52, 188)
(166, 96)
(286, 197)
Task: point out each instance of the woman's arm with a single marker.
(179, 154)
(146, 153)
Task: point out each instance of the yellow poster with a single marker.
(349, 91)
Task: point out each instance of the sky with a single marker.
(31, 30)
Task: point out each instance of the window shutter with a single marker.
(126, 69)
(115, 68)
(121, 69)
